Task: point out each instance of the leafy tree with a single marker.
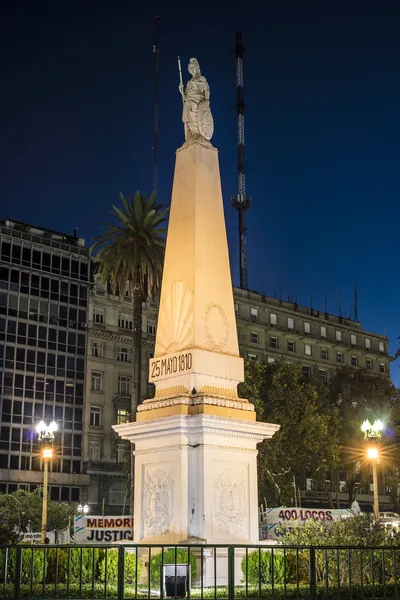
(21, 512)
(307, 438)
(129, 255)
(356, 395)
(359, 531)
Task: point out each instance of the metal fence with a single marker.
(209, 572)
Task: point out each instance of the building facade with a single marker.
(268, 330)
(66, 353)
(44, 290)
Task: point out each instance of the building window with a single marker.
(236, 309)
(253, 314)
(309, 484)
(125, 321)
(122, 416)
(338, 336)
(322, 374)
(382, 367)
(121, 449)
(117, 494)
(381, 347)
(339, 357)
(97, 349)
(273, 319)
(95, 416)
(367, 343)
(273, 342)
(324, 354)
(94, 451)
(307, 328)
(291, 346)
(306, 370)
(307, 349)
(354, 360)
(368, 364)
(323, 331)
(254, 337)
(124, 385)
(290, 323)
(270, 360)
(97, 381)
(252, 356)
(124, 354)
(353, 339)
(151, 326)
(98, 315)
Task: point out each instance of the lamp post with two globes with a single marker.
(373, 432)
(46, 436)
(83, 510)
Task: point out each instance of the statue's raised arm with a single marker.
(196, 116)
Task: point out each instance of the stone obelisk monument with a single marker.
(196, 440)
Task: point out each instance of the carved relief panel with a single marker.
(157, 500)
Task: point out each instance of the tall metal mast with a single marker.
(156, 77)
(240, 202)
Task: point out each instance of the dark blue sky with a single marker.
(322, 83)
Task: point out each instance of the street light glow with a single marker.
(83, 509)
(47, 452)
(372, 453)
(373, 430)
(366, 426)
(41, 427)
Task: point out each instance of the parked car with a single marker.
(390, 519)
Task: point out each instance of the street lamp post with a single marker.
(46, 438)
(374, 433)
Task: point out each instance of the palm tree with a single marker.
(129, 256)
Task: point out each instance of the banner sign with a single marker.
(102, 530)
(275, 518)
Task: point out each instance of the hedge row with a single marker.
(280, 592)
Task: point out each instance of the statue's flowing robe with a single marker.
(197, 91)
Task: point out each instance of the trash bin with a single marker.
(176, 580)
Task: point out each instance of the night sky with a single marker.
(322, 85)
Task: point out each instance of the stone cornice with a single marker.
(188, 447)
(196, 425)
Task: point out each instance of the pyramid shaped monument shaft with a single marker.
(196, 342)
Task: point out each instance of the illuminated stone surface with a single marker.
(195, 442)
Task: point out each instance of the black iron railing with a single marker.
(202, 572)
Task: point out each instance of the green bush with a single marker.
(265, 566)
(169, 559)
(33, 567)
(110, 559)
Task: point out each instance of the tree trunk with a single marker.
(137, 369)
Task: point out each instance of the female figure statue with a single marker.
(196, 115)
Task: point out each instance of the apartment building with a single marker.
(271, 329)
(268, 330)
(44, 288)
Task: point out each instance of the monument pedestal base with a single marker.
(196, 477)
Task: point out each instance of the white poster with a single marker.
(275, 518)
(102, 530)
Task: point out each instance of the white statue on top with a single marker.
(196, 116)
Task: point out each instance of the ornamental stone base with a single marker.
(196, 478)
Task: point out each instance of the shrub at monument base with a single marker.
(170, 558)
(257, 567)
(108, 568)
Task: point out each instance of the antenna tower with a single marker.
(240, 202)
(354, 310)
(156, 77)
